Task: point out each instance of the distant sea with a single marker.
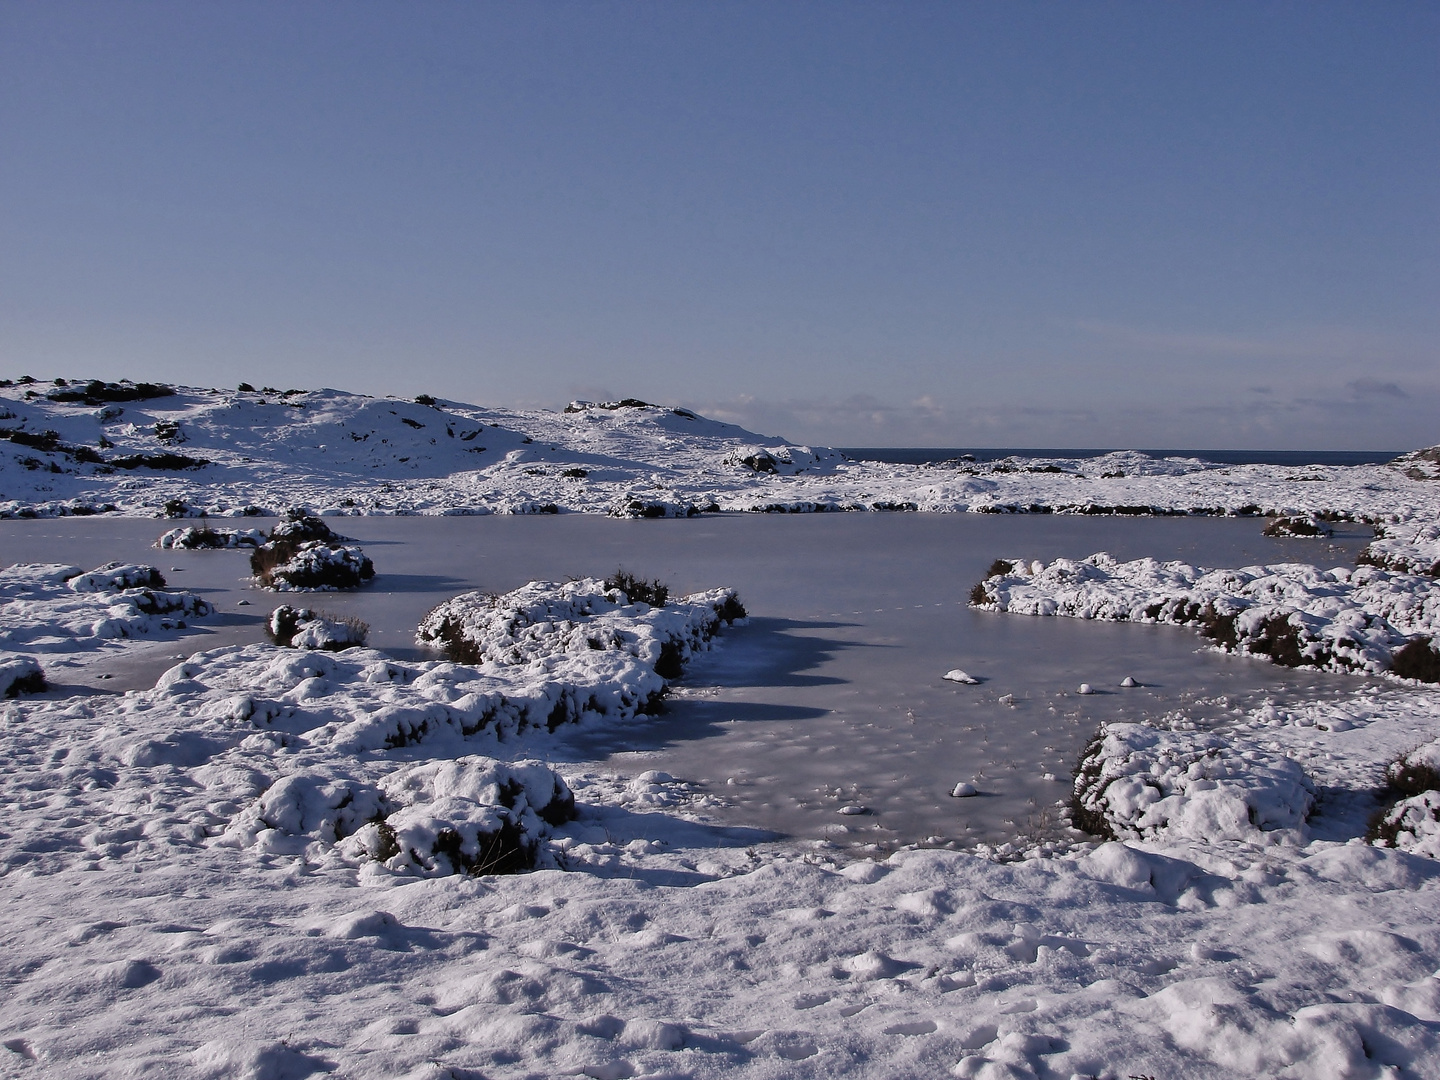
(911, 455)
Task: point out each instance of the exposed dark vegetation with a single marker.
(574, 474)
(1417, 659)
(97, 392)
(31, 683)
(162, 462)
(424, 399)
(1088, 767)
(458, 649)
(1297, 526)
(623, 403)
(638, 590)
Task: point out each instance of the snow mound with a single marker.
(117, 577)
(1140, 782)
(200, 538)
(304, 628)
(473, 815)
(578, 628)
(470, 815)
(1293, 613)
(57, 608)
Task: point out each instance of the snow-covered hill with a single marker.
(140, 449)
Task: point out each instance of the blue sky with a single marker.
(1126, 224)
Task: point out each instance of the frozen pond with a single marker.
(833, 695)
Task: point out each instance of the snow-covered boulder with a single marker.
(1140, 782)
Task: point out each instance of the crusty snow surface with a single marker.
(195, 879)
(338, 452)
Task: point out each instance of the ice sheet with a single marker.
(834, 695)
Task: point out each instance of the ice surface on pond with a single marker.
(835, 694)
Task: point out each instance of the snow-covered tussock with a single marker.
(1406, 548)
(201, 537)
(304, 628)
(52, 607)
(471, 815)
(1136, 781)
(20, 675)
(578, 626)
(117, 577)
(316, 566)
(1340, 619)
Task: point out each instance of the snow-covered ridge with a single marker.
(1366, 619)
(229, 453)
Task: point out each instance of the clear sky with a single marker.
(1186, 225)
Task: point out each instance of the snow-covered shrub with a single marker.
(1411, 825)
(582, 624)
(1293, 613)
(201, 538)
(20, 675)
(638, 590)
(303, 554)
(1411, 821)
(303, 628)
(1308, 526)
(314, 566)
(1140, 782)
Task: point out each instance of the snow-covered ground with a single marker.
(273, 863)
(225, 452)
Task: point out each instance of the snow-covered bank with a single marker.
(54, 608)
(1365, 619)
(205, 863)
(185, 451)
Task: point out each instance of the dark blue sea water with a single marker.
(911, 455)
